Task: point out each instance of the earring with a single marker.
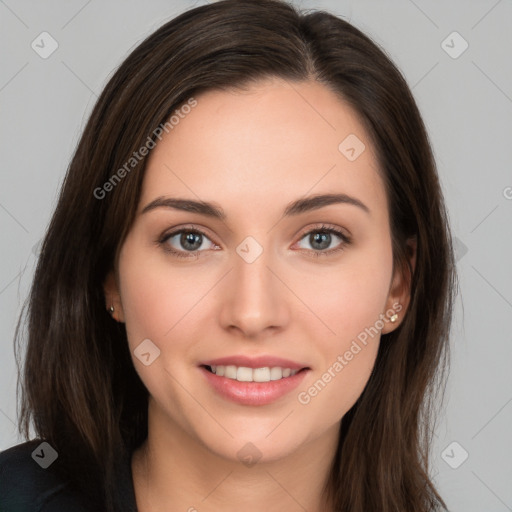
(111, 309)
(394, 318)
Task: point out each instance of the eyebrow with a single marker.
(297, 207)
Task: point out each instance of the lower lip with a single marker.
(253, 393)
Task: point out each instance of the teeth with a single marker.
(244, 374)
(260, 374)
(276, 373)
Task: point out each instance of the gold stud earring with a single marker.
(394, 318)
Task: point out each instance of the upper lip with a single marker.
(255, 362)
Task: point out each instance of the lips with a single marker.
(255, 362)
(266, 383)
(252, 393)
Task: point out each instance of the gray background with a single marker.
(467, 106)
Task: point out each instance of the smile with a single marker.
(245, 374)
(252, 386)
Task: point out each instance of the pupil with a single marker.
(319, 237)
(189, 238)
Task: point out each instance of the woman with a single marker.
(244, 296)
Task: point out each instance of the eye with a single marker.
(185, 242)
(189, 242)
(321, 238)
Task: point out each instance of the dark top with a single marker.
(25, 486)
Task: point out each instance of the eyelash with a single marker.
(346, 240)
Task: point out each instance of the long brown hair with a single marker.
(79, 386)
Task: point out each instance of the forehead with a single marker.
(268, 144)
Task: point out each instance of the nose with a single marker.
(255, 301)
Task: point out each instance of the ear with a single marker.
(400, 290)
(112, 297)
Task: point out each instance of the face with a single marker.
(261, 284)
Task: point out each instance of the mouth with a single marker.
(247, 374)
(257, 386)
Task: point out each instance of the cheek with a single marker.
(157, 300)
(350, 303)
(349, 298)
(147, 308)
(160, 305)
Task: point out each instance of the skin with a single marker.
(252, 153)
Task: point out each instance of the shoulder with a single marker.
(28, 482)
